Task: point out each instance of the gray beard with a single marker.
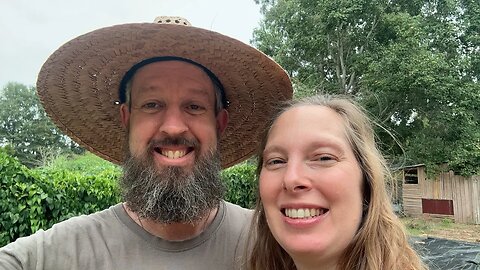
(172, 195)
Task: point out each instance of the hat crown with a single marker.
(172, 20)
(79, 83)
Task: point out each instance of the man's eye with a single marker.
(195, 108)
(150, 107)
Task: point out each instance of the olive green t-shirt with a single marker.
(110, 239)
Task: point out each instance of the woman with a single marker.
(323, 203)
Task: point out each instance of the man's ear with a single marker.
(222, 121)
(124, 114)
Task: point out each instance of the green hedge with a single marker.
(241, 184)
(32, 200)
(19, 196)
(36, 199)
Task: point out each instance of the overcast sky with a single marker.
(30, 30)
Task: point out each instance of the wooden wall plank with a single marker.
(464, 192)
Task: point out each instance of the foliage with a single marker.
(414, 65)
(86, 164)
(16, 218)
(416, 92)
(241, 184)
(25, 127)
(319, 42)
(78, 193)
(32, 200)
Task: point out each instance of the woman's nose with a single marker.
(295, 178)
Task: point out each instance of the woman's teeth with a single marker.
(304, 212)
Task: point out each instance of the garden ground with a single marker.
(442, 228)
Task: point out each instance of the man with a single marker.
(164, 99)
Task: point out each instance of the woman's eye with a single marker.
(274, 162)
(325, 159)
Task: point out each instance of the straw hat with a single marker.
(79, 83)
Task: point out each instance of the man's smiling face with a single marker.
(172, 114)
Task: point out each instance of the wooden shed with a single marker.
(448, 195)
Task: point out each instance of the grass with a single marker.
(441, 228)
(421, 226)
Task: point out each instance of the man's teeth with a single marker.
(304, 212)
(174, 154)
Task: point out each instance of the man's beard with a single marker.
(172, 194)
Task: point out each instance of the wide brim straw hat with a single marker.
(79, 83)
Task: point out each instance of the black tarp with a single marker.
(443, 254)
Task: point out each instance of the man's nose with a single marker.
(173, 122)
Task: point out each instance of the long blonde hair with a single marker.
(380, 242)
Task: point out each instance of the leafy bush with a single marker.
(86, 164)
(76, 194)
(241, 184)
(20, 200)
(33, 199)
(36, 199)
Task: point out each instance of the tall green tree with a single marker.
(418, 93)
(26, 129)
(414, 65)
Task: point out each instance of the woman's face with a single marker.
(311, 185)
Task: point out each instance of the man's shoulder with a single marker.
(63, 240)
(237, 208)
(94, 219)
(237, 213)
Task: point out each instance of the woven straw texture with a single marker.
(78, 84)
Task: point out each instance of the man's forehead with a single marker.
(183, 65)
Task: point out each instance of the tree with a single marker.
(319, 42)
(414, 65)
(25, 127)
(431, 110)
